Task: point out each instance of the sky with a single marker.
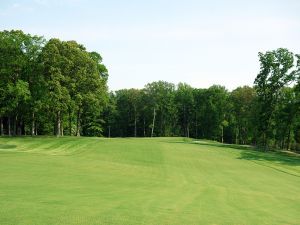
(193, 41)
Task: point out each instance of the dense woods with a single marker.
(54, 87)
(50, 87)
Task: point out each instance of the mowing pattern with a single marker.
(80, 181)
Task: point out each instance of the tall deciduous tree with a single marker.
(58, 94)
(275, 73)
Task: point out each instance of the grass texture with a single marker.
(136, 181)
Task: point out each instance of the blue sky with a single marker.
(197, 42)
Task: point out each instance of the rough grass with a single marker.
(46, 180)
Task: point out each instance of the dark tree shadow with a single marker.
(251, 153)
(248, 152)
(217, 144)
(274, 159)
(277, 157)
(5, 146)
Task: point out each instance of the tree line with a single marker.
(265, 115)
(50, 87)
(58, 87)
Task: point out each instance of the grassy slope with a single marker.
(144, 181)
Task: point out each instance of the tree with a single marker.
(45, 82)
(127, 106)
(185, 106)
(95, 94)
(242, 101)
(275, 73)
(160, 98)
(284, 117)
(110, 116)
(18, 57)
(58, 94)
(200, 104)
(215, 112)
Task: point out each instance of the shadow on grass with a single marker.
(274, 159)
(271, 159)
(5, 146)
(277, 157)
(248, 152)
(217, 144)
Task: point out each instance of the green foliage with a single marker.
(185, 107)
(277, 71)
(243, 114)
(57, 78)
(58, 87)
(159, 97)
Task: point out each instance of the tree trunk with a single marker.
(9, 129)
(1, 126)
(153, 122)
(19, 128)
(32, 124)
(15, 126)
(288, 140)
(264, 141)
(70, 123)
(236, 135)
(222, 130)
(36, 128)
(184, 122)
(109, 131)
(281, 143)
(58, 124)
(78, 124)
(245, 135)
(196, 126)
(144, 127)
(62, 129)
(135, 120)
(54, 127)
(188, 130)
(161, 122)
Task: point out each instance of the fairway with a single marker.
(159, 181)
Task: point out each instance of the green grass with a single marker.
(46, 180)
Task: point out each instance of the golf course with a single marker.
(69, 180)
